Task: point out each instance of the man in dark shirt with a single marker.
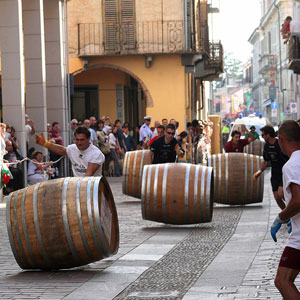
(273, 153)
(237, 144)
(164, 149)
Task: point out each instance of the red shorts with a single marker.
(290, 258)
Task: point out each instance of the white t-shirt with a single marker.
(80, 159)
(291, 174)
(28, 129)
(112, 141)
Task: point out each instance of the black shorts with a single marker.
(290, 258)
(276, 181)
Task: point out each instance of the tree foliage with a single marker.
(233, 66)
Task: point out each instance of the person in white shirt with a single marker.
(36, 169)
(114, 148)
(86, 158)
(94, 139)
(145, 131)
(289, 265)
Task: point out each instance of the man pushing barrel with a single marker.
(86, 158)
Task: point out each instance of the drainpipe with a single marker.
(280, 60)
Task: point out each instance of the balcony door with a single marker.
(119, 25)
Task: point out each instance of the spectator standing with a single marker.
(145, 131)
(165, 148)
(182, 141)
(136, 137)
(273, 154)
(114, 147)
(156, 124)
(173, 121)
(57, 139)
(254, 133)
(160, 133)
(93, 138)
(29, 128)
(74, 124)
(120, 136)
(225, 133)
(86, 158)
(237, 144)
(289, 265)
(164, 122)
(16, 170)
(93, 123)
(128, 139)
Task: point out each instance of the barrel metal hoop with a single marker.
(155, 192)
(141, 167)
(257, 182)
(208, 198)
(18, 237)
(25, 227)
(226, 178)
(209, 161)
(37, 225)
(196, 193)
(220, 174)
(148, 191)
(78, 208)
(164, 192)
(202, 202)
(97, 215)
(251, 176)
(245, 178)
(66, 221)
(186, 191)
(90, 216)
(215, 177)
(134, 173)
(261, 182)
(9, 230)
(143, 191)
(125, 174)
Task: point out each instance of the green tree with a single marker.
(233, 66)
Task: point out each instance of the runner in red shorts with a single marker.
(289, 266)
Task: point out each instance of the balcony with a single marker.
(267, 63)
(146, 37)
(210, 68)
(293, 53)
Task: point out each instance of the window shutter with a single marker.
(127, 16)
(111, 26)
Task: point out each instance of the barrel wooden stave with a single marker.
(133, 170)
(50, 231)
(233, 178)
(256, 148)
(171, 194)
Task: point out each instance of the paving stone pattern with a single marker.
(18, 284)
(178, 270)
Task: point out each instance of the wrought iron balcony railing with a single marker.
(145, 37)
(268, 63)
(215, 60)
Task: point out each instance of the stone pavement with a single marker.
(231, 258)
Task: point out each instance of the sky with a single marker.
(234, 25)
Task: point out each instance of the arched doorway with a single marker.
(104, 89)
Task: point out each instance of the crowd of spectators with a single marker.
(114, 139)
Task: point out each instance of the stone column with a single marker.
(35, 67)
(57, 104)
(11, 44)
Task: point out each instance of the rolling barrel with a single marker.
(255, 148)
(233, 178)
(62, 223)
(177, 193)
(133, 170)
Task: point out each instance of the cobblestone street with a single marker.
(231, 258)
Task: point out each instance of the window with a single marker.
(119, 25)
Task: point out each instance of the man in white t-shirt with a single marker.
(86, 158)
(289, 265)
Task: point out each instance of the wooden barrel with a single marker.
(62, 223)
(233, 178)
(177, 193)
(255, 148)
(133, 170)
